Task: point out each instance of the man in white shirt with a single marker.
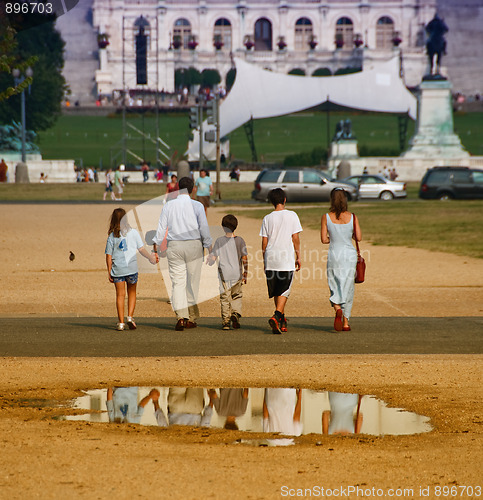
(281, 255)
(188, 234)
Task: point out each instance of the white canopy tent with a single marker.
(259, 93)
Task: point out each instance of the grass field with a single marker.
(94, 140)
(138, 192)
(431, 225)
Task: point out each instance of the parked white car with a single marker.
(377, 186)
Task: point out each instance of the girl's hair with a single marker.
(338, 202)
(115, 223)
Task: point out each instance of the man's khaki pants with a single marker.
(185, 259)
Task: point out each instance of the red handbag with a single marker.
(361, 263)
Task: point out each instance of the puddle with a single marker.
(289, 412)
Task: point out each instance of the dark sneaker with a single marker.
(190, 324)
(226, 326)
(283, 324)
(234, 321)
(179, 325)
(274, 322)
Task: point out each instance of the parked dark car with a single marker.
(446, 183)
(299, 184)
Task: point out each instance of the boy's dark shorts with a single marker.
(279, 283)
(131, 279)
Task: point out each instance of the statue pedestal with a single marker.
(344, 149)
(435, 137)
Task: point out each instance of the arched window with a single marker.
(344, 30)
(181, 33)
(222, 33)
(303, 33)
(263, 34)
(384, 33)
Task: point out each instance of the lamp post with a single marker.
(18, 79)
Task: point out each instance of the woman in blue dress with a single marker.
(338, 228)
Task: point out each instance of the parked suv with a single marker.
(299, 184)
(444, 183)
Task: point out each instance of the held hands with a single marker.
(153, 258)
(210, 260)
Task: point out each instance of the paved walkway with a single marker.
(69, 336)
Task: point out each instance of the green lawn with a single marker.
(94, 140)
(94, 191)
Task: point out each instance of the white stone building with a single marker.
(183, 34)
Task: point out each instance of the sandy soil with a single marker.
(46, 458)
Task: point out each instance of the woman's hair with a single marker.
(115, 222)
(338, 202)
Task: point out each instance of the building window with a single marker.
(303, 33)
(263, 34)
(344, 32)
(142, 26)
(384, 33)
(222, 33)
(181, 33)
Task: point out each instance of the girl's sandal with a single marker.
(130, 323)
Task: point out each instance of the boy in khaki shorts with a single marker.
(232, 256)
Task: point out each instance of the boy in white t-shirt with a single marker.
(281, 254)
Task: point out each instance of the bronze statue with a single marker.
(436, 44)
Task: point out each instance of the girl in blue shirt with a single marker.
(123, 242)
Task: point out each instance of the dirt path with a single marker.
(41, 280)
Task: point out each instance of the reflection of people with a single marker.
(3, 171)
(281, 252)
(232, 254)
(338, 227)
(341, 418)
(122, 266)
(188, 233)
(204, 188)
(281, 411)
(186, 407)
(231, 404)
(122, 404)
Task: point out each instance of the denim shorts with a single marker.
(130, 278)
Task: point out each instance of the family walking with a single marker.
(183, 227)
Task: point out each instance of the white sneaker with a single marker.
(130, 323)
(120, 327)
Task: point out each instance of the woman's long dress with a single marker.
(341, 264)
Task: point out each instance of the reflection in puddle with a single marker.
(290, 412)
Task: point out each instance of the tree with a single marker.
(210, 78)
(230, 79)
(7, 60)
(41, 46)
(322, 72)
